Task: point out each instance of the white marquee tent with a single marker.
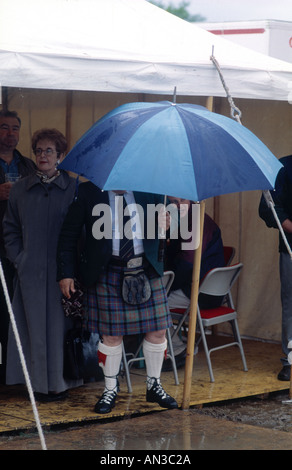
(126, 46)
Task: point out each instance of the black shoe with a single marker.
(157, 394)
(284, 374)
(50, 397)
(106, 402)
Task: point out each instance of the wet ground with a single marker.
(259, 423)
(273, 411)
(218, 419)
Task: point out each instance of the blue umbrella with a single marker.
(182, 150)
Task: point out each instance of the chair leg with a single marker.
(238, 339)
(127, 372)
(127, 362)
(180, 324)
(206, 349)
(172, 357)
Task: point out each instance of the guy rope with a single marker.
(236, 114)
(22, 359)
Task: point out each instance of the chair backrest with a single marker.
(219, 281)
(229, 253)
(167, 279)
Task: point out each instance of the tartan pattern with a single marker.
(108, 314)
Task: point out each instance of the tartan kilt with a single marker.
(108, 314)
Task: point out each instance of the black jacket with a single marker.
(95, 253)
(282, 197)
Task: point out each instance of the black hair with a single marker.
(11, 114)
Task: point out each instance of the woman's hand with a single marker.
(67, 287)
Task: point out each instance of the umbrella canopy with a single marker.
(181, 150)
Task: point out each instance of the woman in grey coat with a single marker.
(36, 208)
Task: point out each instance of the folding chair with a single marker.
(180, 314)
(167, 280)
(218, 282)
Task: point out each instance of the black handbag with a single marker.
(80, 355)
(73, 307)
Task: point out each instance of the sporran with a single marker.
(136, 287)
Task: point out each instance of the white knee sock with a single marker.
(154, 355)
(109, 358)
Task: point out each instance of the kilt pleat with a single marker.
(108, 314)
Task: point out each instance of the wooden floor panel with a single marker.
(231, 382)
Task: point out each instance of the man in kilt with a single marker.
(113, 308)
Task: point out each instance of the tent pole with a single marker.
(68, 117)
(209, 103)
(4, 98)
(194, 301)
(193, 315)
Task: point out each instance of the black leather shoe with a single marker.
(157, 394)
(284, 374)
(50, 397)
(106, 403)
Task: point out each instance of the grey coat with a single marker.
(31, 226)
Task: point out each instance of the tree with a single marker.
(181, 11)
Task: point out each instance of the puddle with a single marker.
(268, 412)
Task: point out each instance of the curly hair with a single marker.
(51, 134)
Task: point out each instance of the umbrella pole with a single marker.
(193, 315)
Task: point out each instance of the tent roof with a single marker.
(126, 46)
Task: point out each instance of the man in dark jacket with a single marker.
(114, 311)
(11, 161)
(282, 197)
(180, 261)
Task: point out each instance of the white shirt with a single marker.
(135, 223)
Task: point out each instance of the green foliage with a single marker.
(181, 11)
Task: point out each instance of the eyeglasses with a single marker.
(48, 152)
